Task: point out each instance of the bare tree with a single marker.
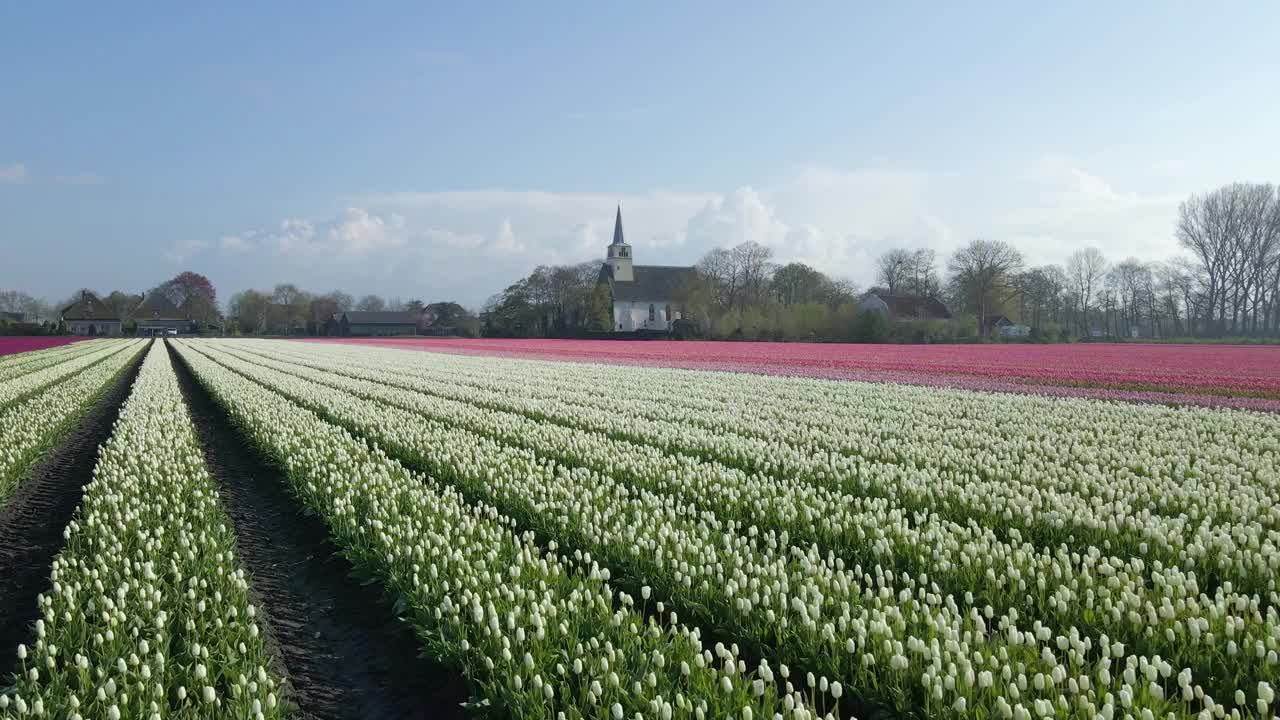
(893, 269)
(1209, 226)
(371, 303)
(1085, 271)
(718, 269)
(923, 279)
(980, 273)
(754, 265)
(285, 296)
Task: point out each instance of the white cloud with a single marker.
(506, 242)
(468, 244)
(15, 174)
(185, 250)
(741, 216)
(234, 243)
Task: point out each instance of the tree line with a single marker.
(193, 297)
(288, 310)
(1227, 285)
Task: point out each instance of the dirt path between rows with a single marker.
(34, 518)
(342, 650)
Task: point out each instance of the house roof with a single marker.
(89, 307)
(917, 306)
(652, 282)
(157, 306)
(994, 320)
(363, 317)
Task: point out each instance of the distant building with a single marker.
(157, 315)
(1004, 327)
(644, 297)
(358, 323)
(12, 317)
(905, 307)
(90, 316)
(996, 322)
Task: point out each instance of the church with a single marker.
(646, 298)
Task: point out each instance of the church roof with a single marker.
(913, 306)
(381, 317)
(652, 282)
(617, 229)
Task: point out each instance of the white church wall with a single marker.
(633, 316)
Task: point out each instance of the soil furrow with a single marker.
(343, 652)
(35, 516)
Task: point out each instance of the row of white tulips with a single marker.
(43, 376)
(148, 614)
(898, 640)
(31, 426)
(22, 363)
(1158, 612)
(1246, 554)
(539, 634)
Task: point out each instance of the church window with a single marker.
(652, 313)
(666, 314)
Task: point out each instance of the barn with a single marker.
(361, 323)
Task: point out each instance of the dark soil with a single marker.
(343, 652)
(34, 518)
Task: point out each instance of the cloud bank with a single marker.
(466, 245)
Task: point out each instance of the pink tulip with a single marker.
(10, 345)
(1240, 376)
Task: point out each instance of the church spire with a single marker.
(617, 228)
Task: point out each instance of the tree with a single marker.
(797, 283)
(33, 308)
(980, 273)
(341, 299)
(250, 311)
(1085, 271)
(122, 304)
(923, 273)
(290, 303)
(893, 268)
(194, 294)
(371, 303)
(1131, 283)
(754, 264)
(718, 271)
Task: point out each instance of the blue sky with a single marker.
(442, 151)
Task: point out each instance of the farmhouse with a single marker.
(373, 324)
(157, 315)
(644, 297)
(90, 316)
(1005, 327)
(905, 307)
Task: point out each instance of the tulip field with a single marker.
(1208, 375)
(622, 540)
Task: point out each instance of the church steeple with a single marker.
(617, 228)
(619, 253)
